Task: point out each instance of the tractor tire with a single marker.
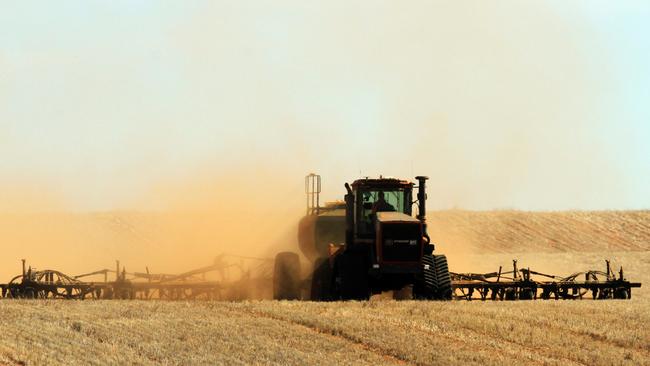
(350, 277)
(426, 286)
(286, 276)
(444, 291)
(321, 280)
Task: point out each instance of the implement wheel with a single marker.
(526, 294)
(286, 276)
(622, 293)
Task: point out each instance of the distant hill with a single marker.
(521, 231)
(173, 242)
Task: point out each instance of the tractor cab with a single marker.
(373, 196)
(382, 224)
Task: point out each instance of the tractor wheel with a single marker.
(321, 281)
(444, 279)
(355, 278)
(286, 276)
(426, 286)
(350, 280)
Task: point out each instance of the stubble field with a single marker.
(379, 331)
(375, 332)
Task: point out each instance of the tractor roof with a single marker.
(378, 183)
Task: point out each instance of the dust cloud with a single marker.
(243, 215)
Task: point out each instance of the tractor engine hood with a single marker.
(399, 239)
(395, 217)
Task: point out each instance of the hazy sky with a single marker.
(504, 104)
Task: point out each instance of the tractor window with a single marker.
(393, 200)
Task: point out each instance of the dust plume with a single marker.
(243, 212)
(247, 215)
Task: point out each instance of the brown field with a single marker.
(375, 332)
(379, 331)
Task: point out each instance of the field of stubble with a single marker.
(379, 331)
(375, 332)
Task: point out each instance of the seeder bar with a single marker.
(531, 290)
(480, 286)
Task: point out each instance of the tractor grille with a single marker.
(401, 242)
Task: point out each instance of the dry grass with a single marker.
(383, 332)
(377, 332)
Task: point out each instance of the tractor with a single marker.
(367, 244)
